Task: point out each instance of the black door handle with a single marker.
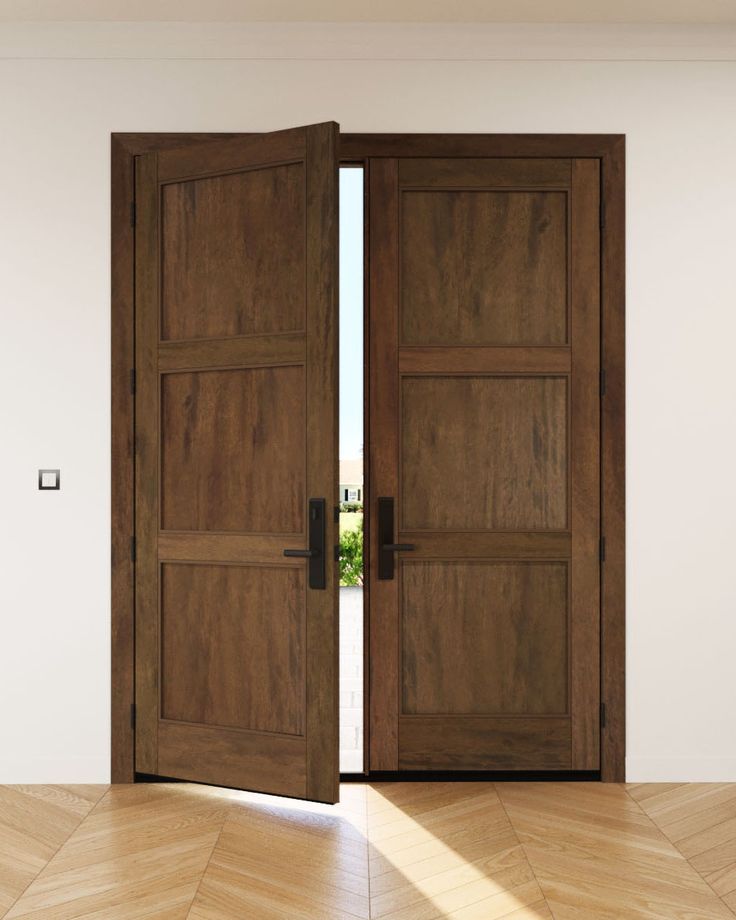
(386, 545)
(316, 551)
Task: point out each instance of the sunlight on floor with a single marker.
(462, 857)
(435, 851)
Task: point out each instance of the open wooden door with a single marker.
(236, 462)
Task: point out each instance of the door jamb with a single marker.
(359, 149)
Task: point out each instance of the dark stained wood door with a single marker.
(236, 433)
(484, 422)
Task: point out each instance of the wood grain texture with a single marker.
(147, 461)
(454, 618)
(585, 407)
(484, 453)
(613, 461)
(233, 254)
(242, 351)
(447, 851)
(484, 172)
(124, 149)
(208, 754)
(34, 822)
(183, 159)
(233, 646)
(700, 820)
(383, 402)
(405, 851)
(140, 853)
(275, 861)
(484, 743)
(444, 544)
(364, 146)
(241, 655)
(232, 451)
(610, 150)
(322, 388)
(122, 487)
(483, 268)
(597, 855)
(485, 282)
(258, 549)
(477, 359)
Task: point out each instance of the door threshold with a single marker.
(473, 776)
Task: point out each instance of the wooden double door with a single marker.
(483, 450)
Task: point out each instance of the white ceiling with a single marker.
(588, 11)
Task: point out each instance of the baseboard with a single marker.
(681, 769)
(54, 771)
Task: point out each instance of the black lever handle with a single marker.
(316, 551)
(386, 545)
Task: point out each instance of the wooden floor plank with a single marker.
(140, 853)
(597, 855)
(34, 822)
(389, 851)
(700, 820)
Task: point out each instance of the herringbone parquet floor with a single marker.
(395, 851)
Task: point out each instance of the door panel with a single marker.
(250, 422)
(244, 623)
(497, 446)
(485, 430)
(225, 243)
(483, 268)
(520, 607)
(236, 429)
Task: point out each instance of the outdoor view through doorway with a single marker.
(351, 489)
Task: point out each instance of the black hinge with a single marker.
(602, 549)
(603, 382)
(602, 216)
(603, 715)
(337, 554)
(132, 549)
(132, 716)
(132, 381)
(337, 514)
(132, 213)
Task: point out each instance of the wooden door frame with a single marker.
(358, 149)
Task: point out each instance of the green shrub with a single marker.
(351, 556)
(351, 506)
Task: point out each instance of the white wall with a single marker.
(56, 117)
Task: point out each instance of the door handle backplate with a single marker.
(316, 552)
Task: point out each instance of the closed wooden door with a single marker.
(236, 434)
(484, 403)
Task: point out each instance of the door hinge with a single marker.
(602, 216)
(337, 554)
(602, 382)
(132, 213)
(602, 549)
(132, 549)
(603, 715)
(132, 381)
(132, 716)
(337, 514)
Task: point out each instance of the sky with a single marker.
(351, 313)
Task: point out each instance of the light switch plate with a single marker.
(49, 479)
